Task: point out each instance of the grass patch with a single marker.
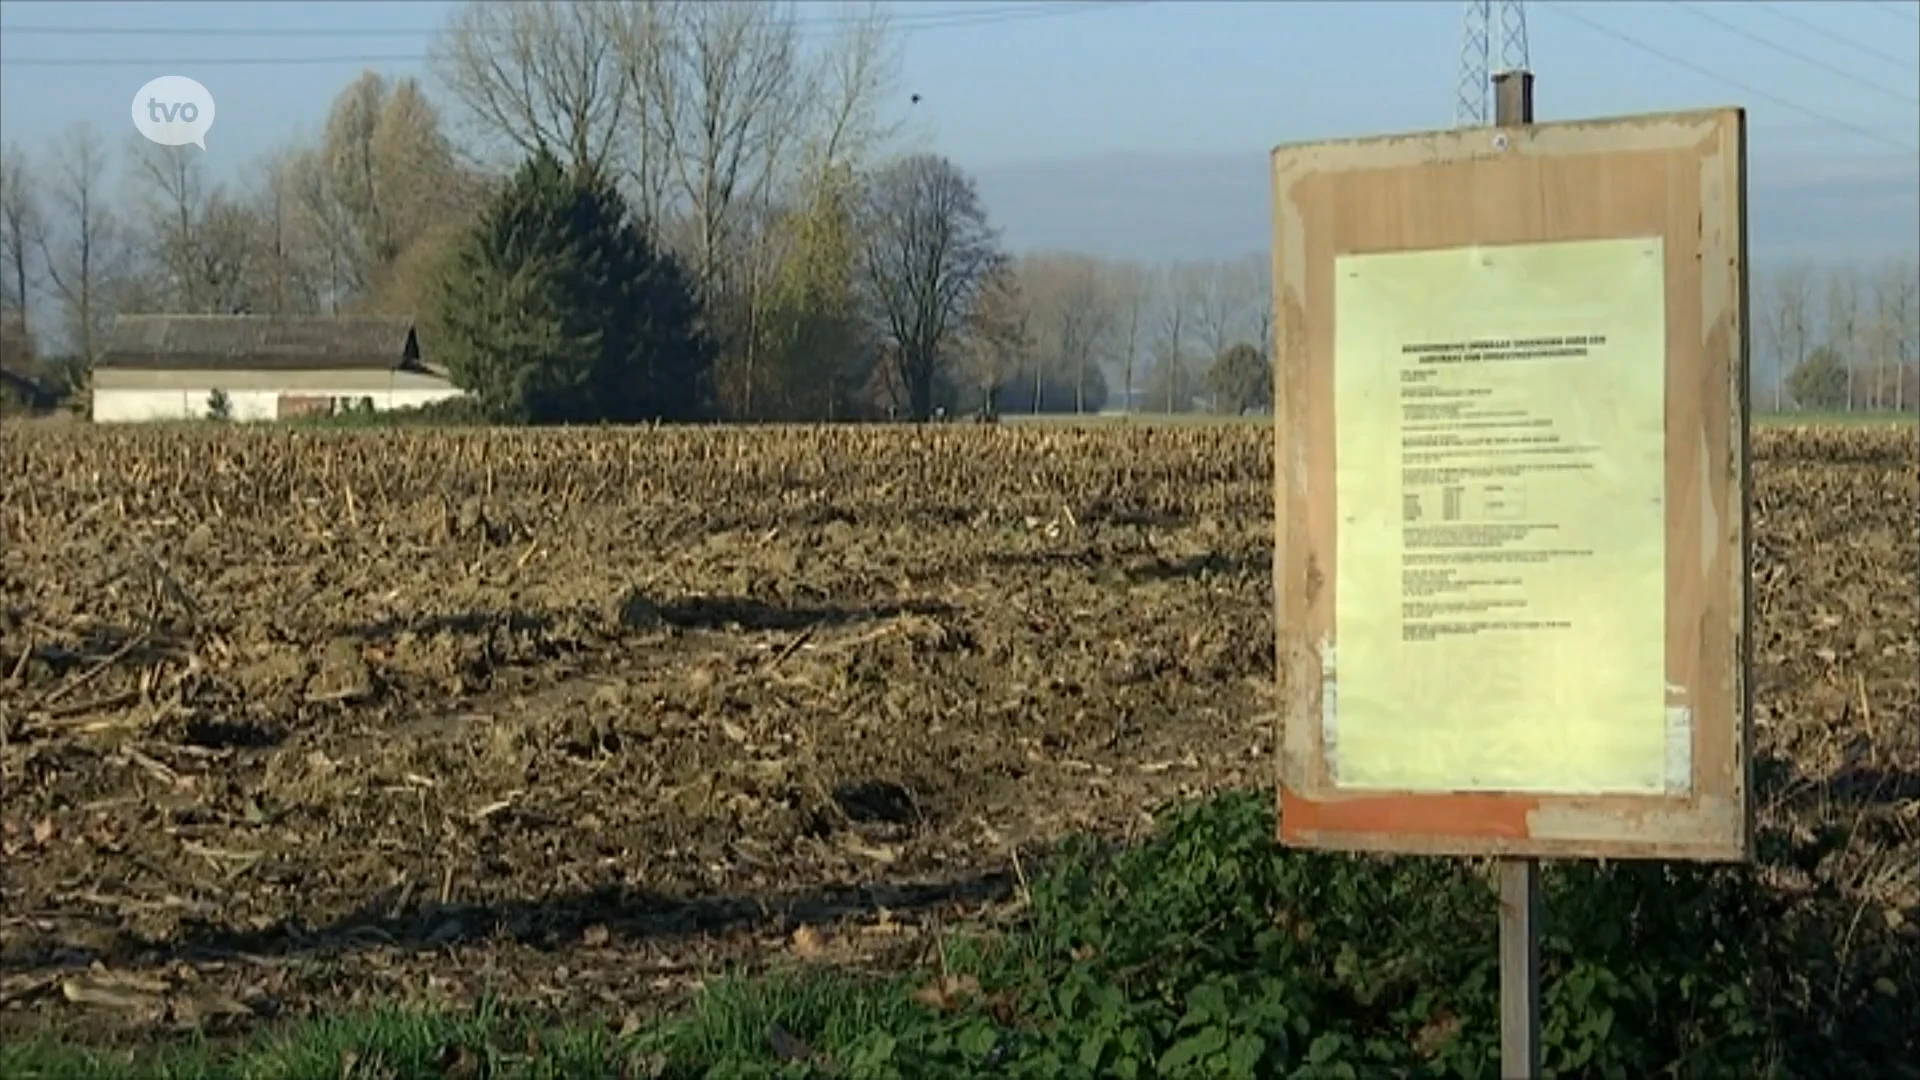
(388, 1044)
(1209, 953)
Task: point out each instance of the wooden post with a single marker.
(1519, 878)
(1519, 969)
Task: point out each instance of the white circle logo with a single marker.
(173, 110)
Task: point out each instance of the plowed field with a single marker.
(296, 719)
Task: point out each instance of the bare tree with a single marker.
(285, 242)
(1072, 319)
(1896, 296)
(1843, 324)
(537, 74)
(1252, 278)
(324, 220)
(1086, 324)
(170, 192)
(230, 254)
(641, 32)
(1224, 297)
(1788, 323)
(720, 93)
(848, 80)
(85, 247)
(999, 336)
(731, 92)
(20, 226)
(928, 251)
(1129, 291)
(1180, 286)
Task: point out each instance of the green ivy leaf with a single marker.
(1192, 1048)
(1324, 1047)
(1243, 1055)
(978, 1040)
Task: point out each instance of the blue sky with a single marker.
(1126, 106)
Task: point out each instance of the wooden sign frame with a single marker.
(1679, 177)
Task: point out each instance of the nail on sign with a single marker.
(174, 110)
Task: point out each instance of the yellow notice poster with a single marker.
(1500, 418)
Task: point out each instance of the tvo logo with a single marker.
(173, 110)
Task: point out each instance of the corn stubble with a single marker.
(267, 690)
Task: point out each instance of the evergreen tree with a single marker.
(557, 309)
(1819, 381)
(1240, 379)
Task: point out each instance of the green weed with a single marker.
(1209, 952)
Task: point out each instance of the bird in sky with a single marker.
(916, 99)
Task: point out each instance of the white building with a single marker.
(267, 367)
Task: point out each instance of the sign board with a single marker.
(1511, 490)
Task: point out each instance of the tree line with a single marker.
(644, 208)
(751, 174)
(1837, 338)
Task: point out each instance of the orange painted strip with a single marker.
(1502, 816)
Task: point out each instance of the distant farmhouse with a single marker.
(266, 367)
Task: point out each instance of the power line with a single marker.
(1795, 55)
(216, 61)
(909, 24)
(209, 31)
(1901, 10)
(1689, 65)
(912, 18)
(1816, 28)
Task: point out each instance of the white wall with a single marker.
(341, 381)
(126, 405)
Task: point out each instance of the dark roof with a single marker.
(261, 342)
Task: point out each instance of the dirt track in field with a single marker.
(294, 720)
